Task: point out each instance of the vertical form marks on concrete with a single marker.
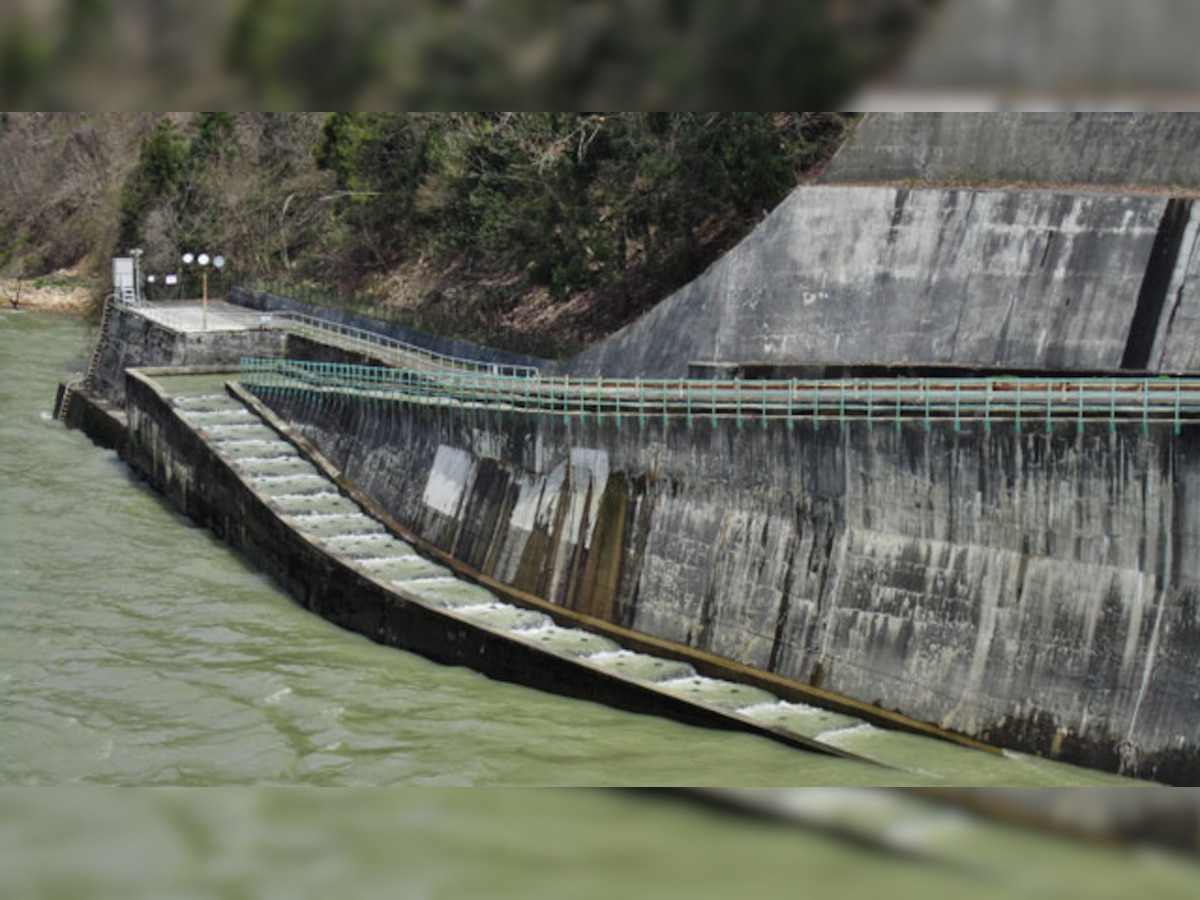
(1152, 297)
(1176, 348)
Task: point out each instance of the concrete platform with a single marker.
(190, 316)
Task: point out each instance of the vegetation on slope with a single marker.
(536, 231)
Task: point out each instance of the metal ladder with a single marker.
(85, 383)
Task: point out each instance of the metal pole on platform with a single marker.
(203, 260)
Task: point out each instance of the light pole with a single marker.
(203, 260)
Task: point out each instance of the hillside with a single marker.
(535, 231)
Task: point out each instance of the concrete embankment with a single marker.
(245, 478)
(887, 275)
(1029, 587)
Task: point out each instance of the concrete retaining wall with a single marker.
(1038, 590)
(862, 276)
(1114, 149)
(178, 462)
(135, 340)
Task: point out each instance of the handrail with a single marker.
(298, 323)
(885, 400)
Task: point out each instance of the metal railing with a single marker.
(392, 350)
(1027, 402)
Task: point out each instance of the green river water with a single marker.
(138, 650)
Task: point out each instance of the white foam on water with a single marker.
(490, 606)
(378, 560)
(535, 630)
(274, 698)
(862, 728)
(696, 683)
(601, 657)
(779, 706)
(425, 580)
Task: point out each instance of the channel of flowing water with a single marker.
(138, 649)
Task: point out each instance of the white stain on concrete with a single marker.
(448, 480)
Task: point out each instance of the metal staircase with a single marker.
(85, 383)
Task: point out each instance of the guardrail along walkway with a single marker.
(1028, 402)
(391, 350)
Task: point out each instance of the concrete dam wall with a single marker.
(1133, 150)
(1037, 589)
(864, 276)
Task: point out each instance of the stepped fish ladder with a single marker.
(342, 529)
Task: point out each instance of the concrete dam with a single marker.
(928, 449)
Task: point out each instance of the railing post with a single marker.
(897, 404)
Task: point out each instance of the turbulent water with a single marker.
(137, 649)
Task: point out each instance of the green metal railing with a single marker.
(392, 350)
(1028, 402)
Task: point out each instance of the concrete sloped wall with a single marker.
(1114, 149)
(891, 275)
(1035, 589)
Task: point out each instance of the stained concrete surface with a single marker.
(860, 276)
